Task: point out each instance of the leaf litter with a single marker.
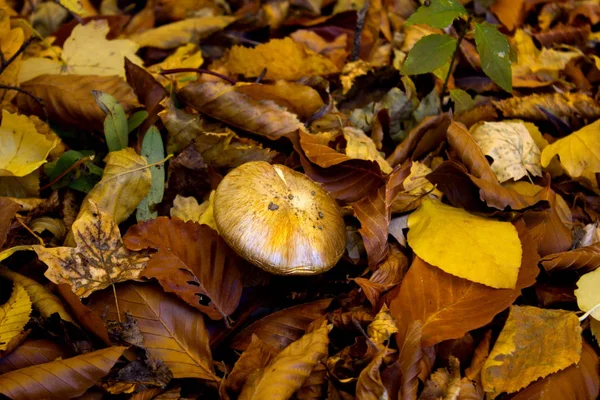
(457, 147)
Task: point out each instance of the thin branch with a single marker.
(462, 35)
(6, 63)
(25, 92)
(65, 172)
(199, 71)
(360, 24)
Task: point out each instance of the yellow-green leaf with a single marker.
(14, 315)
(479, 249)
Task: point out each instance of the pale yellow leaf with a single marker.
(382, 327)
(22, 148)
(360, 146)
(186, 56)
(588, 292)
(74, 6)
(479, 249)
(14, 315)
(188, 209)
(417, 184)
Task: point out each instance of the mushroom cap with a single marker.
(279, 219)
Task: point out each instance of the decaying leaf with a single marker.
(257, 356)
(382, 327)
(98, 261)
(362, 147)
(465, 245)
(528, 348)
(559, 104)
(10, 41)
(188, 209)
(29, 353)
(14, 315)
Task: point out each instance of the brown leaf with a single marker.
(582, 260)
(31, 352)
(470, 153)
(290, 368)
(192, 261)
(369, 385)
(8, 209)
(148, 90)
(315, 386)
(565, 35)
(374, 214)
(172, 331)
(449, 306)
(257, 355)
(68, 98)
(226, 103)
(62, 379)
(559, 104)
(411, 354)
(283, 327)
(581, 381)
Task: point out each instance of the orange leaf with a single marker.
(8, 209)
(31, 352)
(582, 260)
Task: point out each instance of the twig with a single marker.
(360, 24)
(116, 302)
(35, 98)
(6, 63)
(198, 71)
(262, 75)
(65, 172)
(28, 229)
(462, 35)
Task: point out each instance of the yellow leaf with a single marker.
(588, 293)
(74, 6)
(283, 59)
(362, 147)
(10, 41)
(351, 71)
(465, 245)
(186, 56)
(289, 369)
(25, 188)
(382, 327)
(511, 147)
(188, 209)
(14, 315)
(533, 344)
(43, 300)
(416, 183)
(107, 58)
(181, 32)
(98, 261)
(4, 254)
(22, 148)
(595, 328)
(579, 152)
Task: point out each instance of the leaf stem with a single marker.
(461, 36)
(587, 314)
(199, 71)
(138, 169)
(28, 229)
(116, 301)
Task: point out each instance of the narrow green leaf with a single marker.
(136, 120)
(428, 54)
(494, 51)
(153, 151)
(115, 123)
(439, 14)
(56, 168)
(462, 101)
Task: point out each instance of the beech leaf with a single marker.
(465, 245)
(14, 315)
(257, 356)
(29, 353)
(583, 259)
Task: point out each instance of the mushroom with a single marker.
(279, 219)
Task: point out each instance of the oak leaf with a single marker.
(31, 352)
(61, 379)
(511, 147)
(172, 331)
(288, 371)
(99, 260)
(14, 315)
(193, 262)
(528, 348)
(465, 245)
(283, 59)
(22, 148)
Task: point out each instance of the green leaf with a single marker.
(494, 51)
(428, 54)
(462, 101)
(136, 120)
(115, 123)
(439, 14)
(66, 161)
(153, 151)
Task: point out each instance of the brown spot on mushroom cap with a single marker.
(282, 242)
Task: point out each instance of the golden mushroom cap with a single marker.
(279, 219)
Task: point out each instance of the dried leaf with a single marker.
(290, 368)
(62, 379)
(8, 209)
(172, 331)
(22, 148)
(10, 42)
(257, 356)
(382, 327)
(461, 244)
(362, 147)
(193, 262)
(528, 348)
(14, 315)
(98, 261)
(559, 104)
(509, 12)
(369, 385)
(449, 306)
(29, 353)
(587, 293)
(283, 58)
(583, 259)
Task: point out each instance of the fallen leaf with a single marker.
(14, 315)
(98, 261)
(443, 383)
(583, 260)
(334, 49)
(465, 245)
(175, 34)
(449, 306)
(559, 104)
(528, 348)
(149, 90)
(188, 209)
(283, 327)
(192, 261)
(510, 13)
(587, 294)
(362, 147)
(172, 331)
(257, 356)
(61, 379)
(511, 147)
(107, 58)
(288, 371)
(369, 385)
(68, 98)
(382, 327)
(42, 299)
(283, 59)
(22, 148)
(10, 42)
(29, 353)
(8, 210)
(225, 103)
